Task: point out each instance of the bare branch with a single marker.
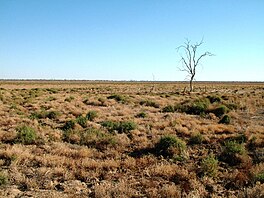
(190, 61)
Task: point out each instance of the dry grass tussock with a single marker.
(99, 139)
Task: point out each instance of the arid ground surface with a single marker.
(131, 139)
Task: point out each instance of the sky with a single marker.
(130, 39)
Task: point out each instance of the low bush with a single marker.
(141, 115)
(168, 109)
(91, 115)
(209, 166)
(120, 127)
(170, 146)
(259, 177)
(82, 121)
(110, 125)
(68, 125)
(225, 120)
(196, 107)
(149, 103)
(232, 152)
(96, 138)
(214, 99)
(118, 98)
(196, 139)
(220, 111)
(69, 99)
(3, 179)
(26, 135)
(44, 114)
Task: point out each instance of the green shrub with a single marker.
(69, 99)
(170, 145)
(68, 125)
(221, 110)
(96, 138)
(3, 179)
(110, 125)
(120, 127)
(126, 126)
(232, 152)
(149, 103)
(141, 115)
(260, 177)
(214, 99)
(209, 166)
(196, 107)
(118, 98)
(168, 109)
(52, 115)
(52, 90)
(232, 106)
(225, 120)
(26, 135)
(233, 147)
(82, 121)
(71, 136)
(240, 138)
(196, 139)
(91, 115)
(44, 114)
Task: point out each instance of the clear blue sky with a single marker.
(130, 39)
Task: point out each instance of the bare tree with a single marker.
(191, 60)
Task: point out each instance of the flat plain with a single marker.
(131, 139)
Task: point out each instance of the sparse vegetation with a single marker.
(209, 166)
(70, 124)
(26, 135)
(196, 139)
(3, 179)
(225, 119)
(170, 146)
(120, 127)
(166, 142)
(91, 115)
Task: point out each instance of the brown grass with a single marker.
(59, 163)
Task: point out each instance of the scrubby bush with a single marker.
(170, 146)
(69, 99)
(149, 103)
(82, 121)
(209, 166)
(232, 106)
(259, 177)
(118, 98)
(233, 147)
(196, 107)
(168, 109)
(26, 135)
(196, 139)
(232, 152)
(44, 114)
(221, 110)
(96, 138)
(91, 115)
(3, 179)
(141, 115)
(120, 127)
(110, 125)
(225, 120)
(70, 124)
(71, 136)
(214, 99)
(126, 126)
